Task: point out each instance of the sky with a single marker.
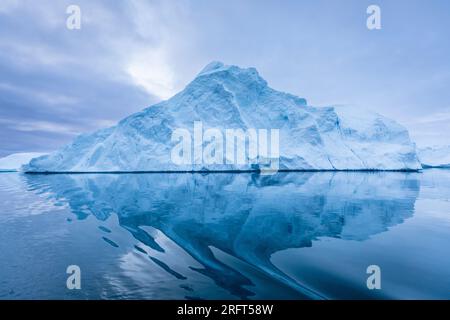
(56, 83)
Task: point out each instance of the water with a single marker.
(225, 236)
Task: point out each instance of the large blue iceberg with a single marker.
(222, 96)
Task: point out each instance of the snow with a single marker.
(14, 161)
(223, 96)
(434, 157)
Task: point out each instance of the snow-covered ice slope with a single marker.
(221, 96)
(15, 161)
(435, 157)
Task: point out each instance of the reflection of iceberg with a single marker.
(246, 216)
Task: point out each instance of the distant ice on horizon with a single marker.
(15, 161)
(435, 156)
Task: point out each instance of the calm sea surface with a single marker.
(225, 236)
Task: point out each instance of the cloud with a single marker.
(56, 83)
(160, 30)
(42, 126)
(130, 54)
(54, 127)
(135, 41)
(32, 54)
(49, 98)
(150, 69)
(439, 116)
(7, 6)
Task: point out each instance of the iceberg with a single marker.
(434, 157)
(229, 97)
(15, 161)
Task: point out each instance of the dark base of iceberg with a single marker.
(426, 166)
(220, 171)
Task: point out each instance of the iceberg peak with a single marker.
(231, 78)
(212, 67)
(216, 67)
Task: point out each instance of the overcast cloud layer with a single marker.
(56, 83)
